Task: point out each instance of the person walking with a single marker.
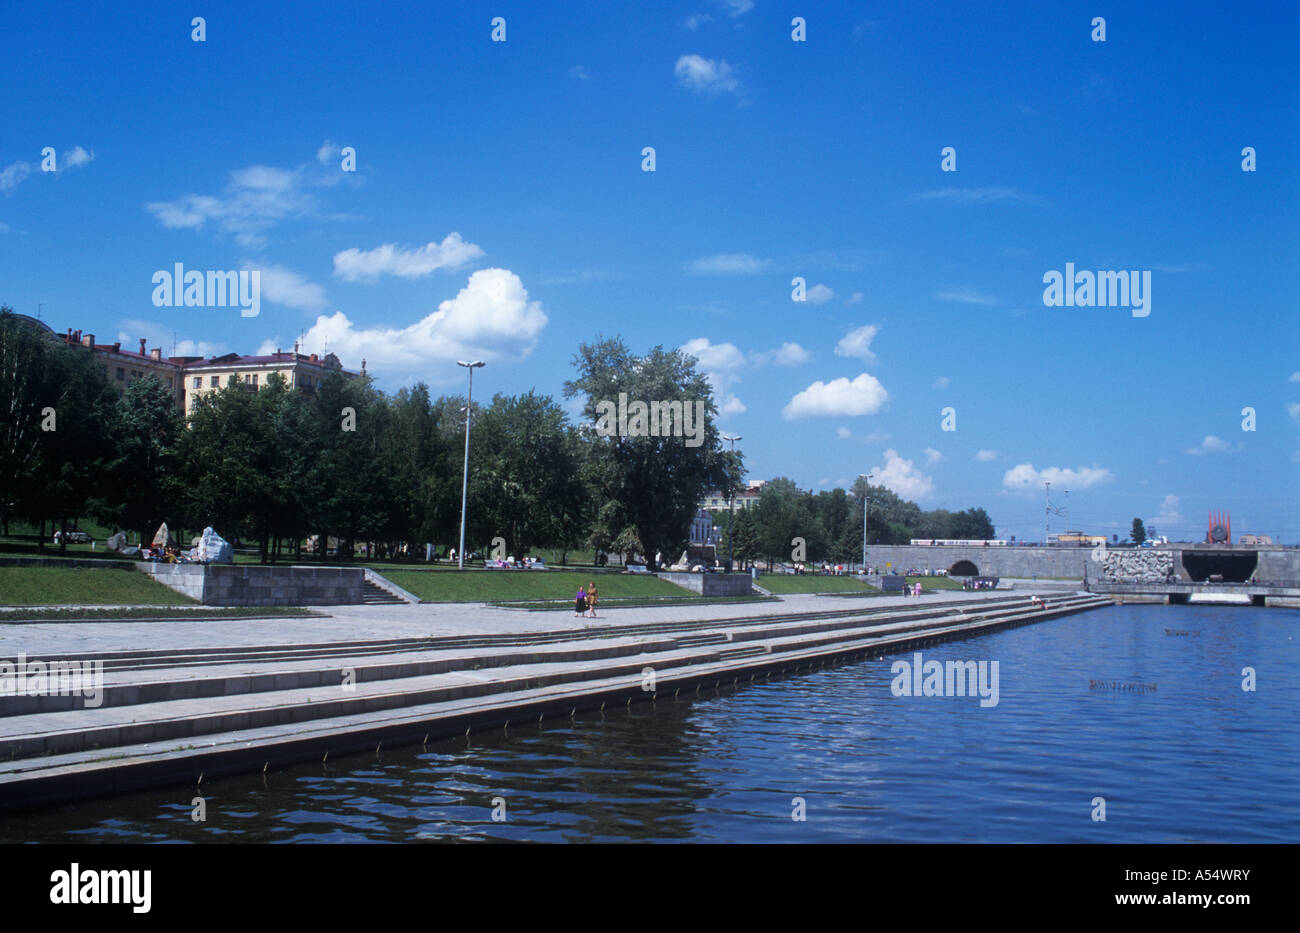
(580, 604)
(591, 598)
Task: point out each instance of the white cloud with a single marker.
(14, 174)
(843, 433)
(1169, 515)
(157, 335)
(941, 383)
(855, 298)
(706, 76)
(286, 287)
(932, 456)
(353, 265)
(490, 319)
(857, 344)
(696, 20)
(1024, 478)
(968, 296)
(861, 396)
(721, 364)
(819, 294)
(580, 72)
(1293, 410)
(254, 200)
(902, 477)
(986, 456)
(736, 8)
(1211, 445)
(789, 354)
(1295, 376)
(987, 195)
(727, 264)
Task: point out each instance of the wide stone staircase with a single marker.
(169, 716)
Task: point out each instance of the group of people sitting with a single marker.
(171, 554)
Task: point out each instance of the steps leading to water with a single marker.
(167, 716)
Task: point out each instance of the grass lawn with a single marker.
(781, 583)
(153, 614)
(935, 583)
(64, 586)
(481, 586)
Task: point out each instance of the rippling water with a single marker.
(1198, 759)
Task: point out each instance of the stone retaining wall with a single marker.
(712, 584)
(258, 585)
(1138, 565)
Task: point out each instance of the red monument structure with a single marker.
(1219, 528)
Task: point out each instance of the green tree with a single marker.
(1139, 532)
(657, 481)
(143, 483)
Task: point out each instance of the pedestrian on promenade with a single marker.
(591, 598)
(580, 604)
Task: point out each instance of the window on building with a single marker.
(198, 382)
(121, 374)
(254, 378)
(216, 381)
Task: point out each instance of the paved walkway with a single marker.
(352, 623)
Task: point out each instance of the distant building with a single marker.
(703, 531)
(1076, 539)
(745, 499)
(1255, 539)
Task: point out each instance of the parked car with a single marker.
(74, 537)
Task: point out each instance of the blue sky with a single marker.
(499, 209)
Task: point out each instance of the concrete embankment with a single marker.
(170, 715)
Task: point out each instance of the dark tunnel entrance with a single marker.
(963, 568)
(1232, 566)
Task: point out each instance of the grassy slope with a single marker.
(502, 585)
(935, 583)
(59, 586)
(812, 583)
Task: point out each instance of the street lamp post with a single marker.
(865, 490)
(464, 482)
(731, 513)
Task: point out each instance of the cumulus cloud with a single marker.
(932, 456)
(941, 383)
(286, 287)
(1295, 376)
(15, 173)
(721, 363)
(819, 294)
(861, 396)
(843, 433)
(734, 8)
(985, 456)
(354, 265)
(1024, 478)
(788, 354)
(490, 319)
(857, 344)
(727, 264)
(706, 76)
(855, 298)
(1169, 514)
(156, 335)
(1293, 410)
(902, 477)
(1211, 445)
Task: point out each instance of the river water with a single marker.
(1183, 754)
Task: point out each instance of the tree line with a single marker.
(349, 462)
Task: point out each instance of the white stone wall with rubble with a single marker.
(1138, 565)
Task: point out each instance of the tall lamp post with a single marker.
(866, 489)
(464, 482)
(731, 505)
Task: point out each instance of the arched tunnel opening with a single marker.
(963, 568)
(1221, 566)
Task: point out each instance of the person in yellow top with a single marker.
(591, 599)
